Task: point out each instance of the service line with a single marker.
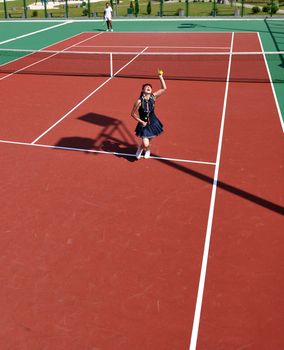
(103, 152)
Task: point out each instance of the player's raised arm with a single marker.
(163, 84)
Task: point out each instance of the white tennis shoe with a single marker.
(147, 154)
(139, 152)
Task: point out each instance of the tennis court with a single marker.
(179, 251)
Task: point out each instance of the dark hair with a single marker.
(147, 84)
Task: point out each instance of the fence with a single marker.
(160, 8)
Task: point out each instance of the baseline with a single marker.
(33, 33)
(105, 152)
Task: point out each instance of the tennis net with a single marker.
(195, 66)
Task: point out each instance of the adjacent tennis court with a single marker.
(100, 250)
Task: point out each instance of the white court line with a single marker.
(43, 48)
(86, 98)
(271, 84)
(149, 53)
(102, 152)
(160, 47)
(36, 32)
(166, 32)
(46, 58)
(198, 306)
(184, 19)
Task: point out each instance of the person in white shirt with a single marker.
(108, 16)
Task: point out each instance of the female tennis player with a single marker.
(148, 125)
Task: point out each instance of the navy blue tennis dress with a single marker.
(147, 113)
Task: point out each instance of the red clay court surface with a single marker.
(99, 251)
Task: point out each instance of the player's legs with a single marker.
(145, 143)
(146, 146)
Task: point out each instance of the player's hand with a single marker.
(160, 72)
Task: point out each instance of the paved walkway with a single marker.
(39, 5)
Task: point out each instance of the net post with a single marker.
(136, 8)
(242, 8)
(5, 9)
(214, 10)
(45, 9)
(110, 64)
(89, 8)
(25, 8)
(161, 7)
(66, 9)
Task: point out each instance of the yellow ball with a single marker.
(160, 72)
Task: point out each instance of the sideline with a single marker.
(272, 85)
(32, 33)
(199, 299)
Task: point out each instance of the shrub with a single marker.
(272, 9)
(34, 13)
(255, 9)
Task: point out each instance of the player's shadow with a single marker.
(111, 136)
(76, 143)
(224, 186)
(115, 138)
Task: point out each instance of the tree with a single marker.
(149, 8)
